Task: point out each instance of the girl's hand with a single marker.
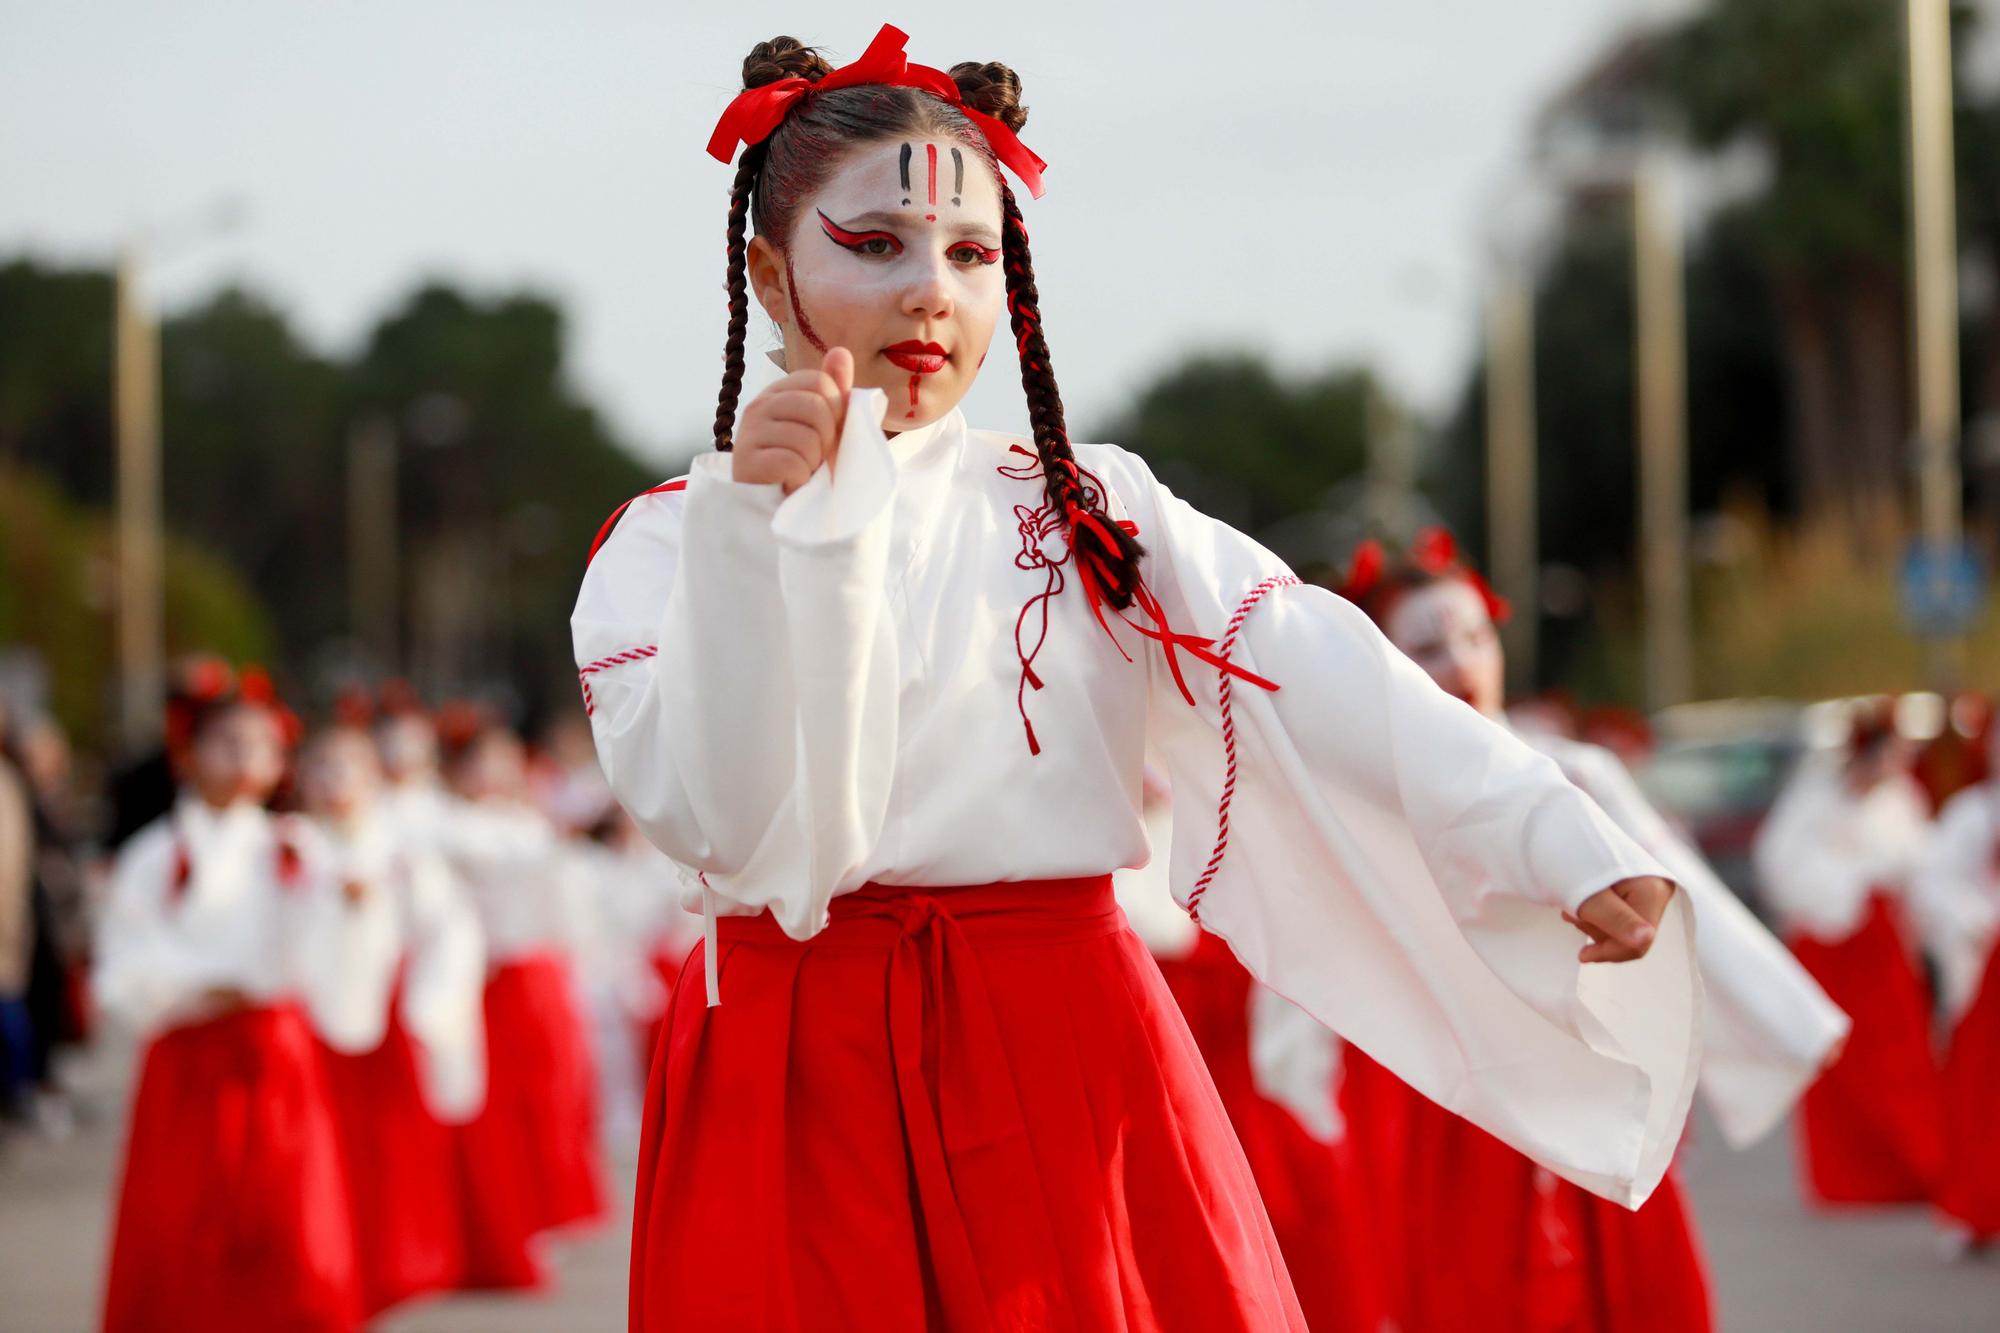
(792, 427)
(1623, 919)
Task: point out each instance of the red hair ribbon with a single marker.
(757, 112)
(1435, 551)
(1364, 575)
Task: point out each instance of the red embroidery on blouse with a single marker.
(584, 673)
(1037, 526)
(1243, 609)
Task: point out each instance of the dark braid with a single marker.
(1067, 486)
(739, 296)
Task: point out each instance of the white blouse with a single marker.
(435, 937)
(1823, 851)
(522, 883)
(796, 695)
(238, 899)
(1956, 891)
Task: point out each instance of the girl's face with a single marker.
(494, 767)
(239, 756)
(896, 259)
(1445, 629)
(408, 748)
(341, 776)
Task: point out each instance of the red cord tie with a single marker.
(1036, 525)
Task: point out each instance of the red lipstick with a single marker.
(917, 358)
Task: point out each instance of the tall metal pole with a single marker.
(1662, 430)
(136, 390)
(1511, 494)
(1934, 291)
(372, 598)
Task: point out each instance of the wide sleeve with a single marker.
(740, 670)
(1395, 864)
(444, 989)
(1769, 1026)
(142, 974)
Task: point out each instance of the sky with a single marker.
(1316, 180)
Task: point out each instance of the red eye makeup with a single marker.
(858, 241)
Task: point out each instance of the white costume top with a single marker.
(437, 941)
(522, 881)
(797, 695)
(1823, 850)
(238, 899)
(1957, 891)
(632, 912)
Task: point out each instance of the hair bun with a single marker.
(993, 89)
(783, 58)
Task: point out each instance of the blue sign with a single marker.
(1942, 589)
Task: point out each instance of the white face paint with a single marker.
(897, 259)
(340, 776)
(1445, 629)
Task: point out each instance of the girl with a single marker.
(418, 1064)
(891, 698)
(1958, 883)
(222, 926)
(531, 1152)
(1527, 1251)
(1835, 857)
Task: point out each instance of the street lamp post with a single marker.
(1511, 526)
(136, 391)
(1934, 297)
(1661, 338)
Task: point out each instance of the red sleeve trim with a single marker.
(584, 673)
(604, 533)
(1227, 646)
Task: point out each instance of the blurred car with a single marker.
(1717, 769)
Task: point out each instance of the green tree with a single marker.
(1232, 437)
(1819, 89)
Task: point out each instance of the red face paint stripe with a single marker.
(799, 311)
(930, 152)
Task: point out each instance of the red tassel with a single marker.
(183, 872)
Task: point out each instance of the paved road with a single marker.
(1777, 1268)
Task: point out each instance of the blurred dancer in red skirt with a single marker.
(1958, 887)
(223, 928)
(1495, 1241)
(532, 1151)
(416, 1060)
(1836, 857)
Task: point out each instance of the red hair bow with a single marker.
(1364, 575)
(757, 112)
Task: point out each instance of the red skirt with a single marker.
(233, 1212)
(1498, 1243)
(1378, 1108)
(1871, 1128)
(529, 1159)
(1314, 1191)
(401, 1175)
(1969, 1191)
(962, 1109)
